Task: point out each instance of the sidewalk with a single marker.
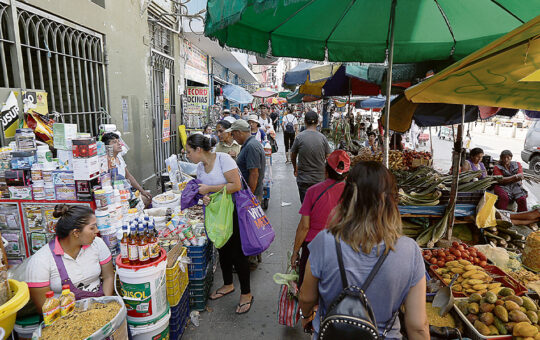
(220, 320)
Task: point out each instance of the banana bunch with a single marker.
(423, 199)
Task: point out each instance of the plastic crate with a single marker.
(200, 257)
(177, 279)
(199, 291)
(179, 318)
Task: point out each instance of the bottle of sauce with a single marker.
(155, 249)
(51, 308)
(144, 254)
(67, 301)
(124, 253)
(133, 246)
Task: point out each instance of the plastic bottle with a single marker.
(124, 252)
(51, 308)
(133, 247)
(67, 301)
(144, 254)
(153, 245)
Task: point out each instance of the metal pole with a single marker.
(389, 83)
(456, 162)
(431, 142)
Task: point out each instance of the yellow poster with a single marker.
(10, 116)
(166, 135)
(35, 102)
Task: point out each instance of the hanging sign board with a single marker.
(197, 100)
(166, 133)
(35, 102)
(196, 68)
(10, 116)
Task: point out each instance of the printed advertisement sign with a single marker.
(10, 116)
(35, 102)
(196, 63)
(197, 100)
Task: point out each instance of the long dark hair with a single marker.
(198, 140)
(367, 213)
(73, 217)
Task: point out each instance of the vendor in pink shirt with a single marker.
(318, 204)
(75, 257)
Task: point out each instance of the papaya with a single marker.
(490, 297)
(501, 313)
(493, 330)
(506, 291)
(480, 327)
(511, 305)
(474, 308)
(524, 329)
(472, 317)
(532, 316)
(528, 303)
(500, 326)
(486, 318)
(514, 298)
(518, 316)
(475, 297)
(486, 307)
(463, 306)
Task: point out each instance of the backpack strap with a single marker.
(341, 267)
(374, 271)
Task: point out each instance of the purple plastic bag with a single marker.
(190, 194)
(256, 233)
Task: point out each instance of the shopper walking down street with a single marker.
(76, 256)
(290, 129)
(311, 148)
(217, 170)
(510, 188)
(274, 116)
(226, 144)
(320, 200)
(114, 140)
(251, 159)
(366, 225)
(255, 128)
(264, 120)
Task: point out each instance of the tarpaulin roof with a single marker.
(502, 74)
(264, 93)
(237, 94)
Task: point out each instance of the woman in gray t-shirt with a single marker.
(367, 223)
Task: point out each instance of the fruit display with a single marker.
(458, 251)
(471, 279)
(395, 158)
(501, 313)
(531, 251)
(411, 158)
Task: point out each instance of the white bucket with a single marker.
(166, 200)
(154, 331)
(144, 289)
(25, 332)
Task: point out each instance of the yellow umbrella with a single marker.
(505, 73)
(317, 78)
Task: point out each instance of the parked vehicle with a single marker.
(531, 149)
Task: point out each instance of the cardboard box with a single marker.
(85, 169)
(65, 193)
(65, 159)
(20, 193)
(416, 162)
(63, 134)
(84, 148)
(63, 177)
(23, 160)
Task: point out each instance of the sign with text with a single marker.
(197, 100)
(35, 102)
(166, 133)
(196, 63)
(10, 116)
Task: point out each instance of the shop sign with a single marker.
(10, 116)
(197, 100)
(196, 63)
(166, 133)
(35, 102)
(166, 93)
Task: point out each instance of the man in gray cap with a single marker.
(312, 149)
(251, 159)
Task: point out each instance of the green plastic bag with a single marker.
(218, 218)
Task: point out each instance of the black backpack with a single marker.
(289, 127)
(350, 315)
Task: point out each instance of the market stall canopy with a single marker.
(298, 74)
(331, 81)
(276, 100)
(372, 103)
(502, 74)
(284, 94)
(320, 29)
(237, 94)
(264, 93)
(295, 97)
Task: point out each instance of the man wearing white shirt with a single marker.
(264, 120)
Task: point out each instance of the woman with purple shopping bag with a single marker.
(75, 257)
(215, 171)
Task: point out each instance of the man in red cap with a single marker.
(319, 202)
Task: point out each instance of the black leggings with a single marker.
(288, 139)
(230, 255)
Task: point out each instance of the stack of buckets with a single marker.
(111, 204)
(144, 290)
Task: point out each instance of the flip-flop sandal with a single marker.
(245, 303)
(220, 294)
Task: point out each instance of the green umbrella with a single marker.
(369, 31)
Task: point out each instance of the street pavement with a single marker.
(220, 321)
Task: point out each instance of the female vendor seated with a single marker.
(509, 187)
(75, 257)
(475, 162)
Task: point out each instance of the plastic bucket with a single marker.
(153, 331)
(109, 236)
(25, 332)
(8, 311)
(144, 289)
